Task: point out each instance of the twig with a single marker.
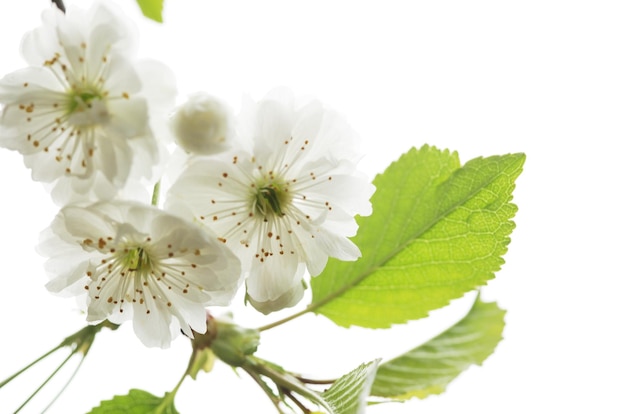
(301, 406)
(59, 4)
(314, 381)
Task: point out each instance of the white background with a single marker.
(547, 78)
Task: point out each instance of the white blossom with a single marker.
(136, 261)
(284, 202)
(202, 125)
(80, 112)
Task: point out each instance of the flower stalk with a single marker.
(79, 342)
(236, 345)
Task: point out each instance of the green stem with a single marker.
(313, 381)
(288, 318)
(268, 391)
(67, 383)
(43, 384)
(155, 193)
(79, 342)
(41, 358)
(168, 399)
(301, 406)
(286, 381)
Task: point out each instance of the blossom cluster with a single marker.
(266, 197)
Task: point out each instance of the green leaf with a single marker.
(438, 231)
(428, 369)
(152, 9)
(136, 402)
(203, 360)
(348, 395)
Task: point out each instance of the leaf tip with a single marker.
(152, 9)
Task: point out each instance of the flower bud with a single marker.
(233, 344)
(202, 125)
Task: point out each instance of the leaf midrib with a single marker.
(313, 306)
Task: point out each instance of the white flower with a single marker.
(202, 125)
(286, 201)
(136, 261)
(79, 113)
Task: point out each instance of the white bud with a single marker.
(202, 125)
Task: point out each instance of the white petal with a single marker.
(38, 43)
(158, 84)
(191, 316)
(274, 124)
(125, 34)
(128, 117)
(340, 140)
(270, 279)
(39, 82)
(67, 274)
(307, 124)
(83, 223)
(350, 193)
(121, 76)
(154, 329)
(287, 299)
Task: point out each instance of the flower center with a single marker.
(87, 107)
(271, 199)
(136, 260)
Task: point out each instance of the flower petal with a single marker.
(290, 297)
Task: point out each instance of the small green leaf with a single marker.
(348, 395)
(429, 368)
(136, 402)
(203, 360)
(438, 231)
(152, 9)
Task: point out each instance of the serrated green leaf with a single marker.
(152, 9)
(135, 402)
(348, 395)
(429, 368)
(438, 230)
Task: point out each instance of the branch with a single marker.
(59, 4)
